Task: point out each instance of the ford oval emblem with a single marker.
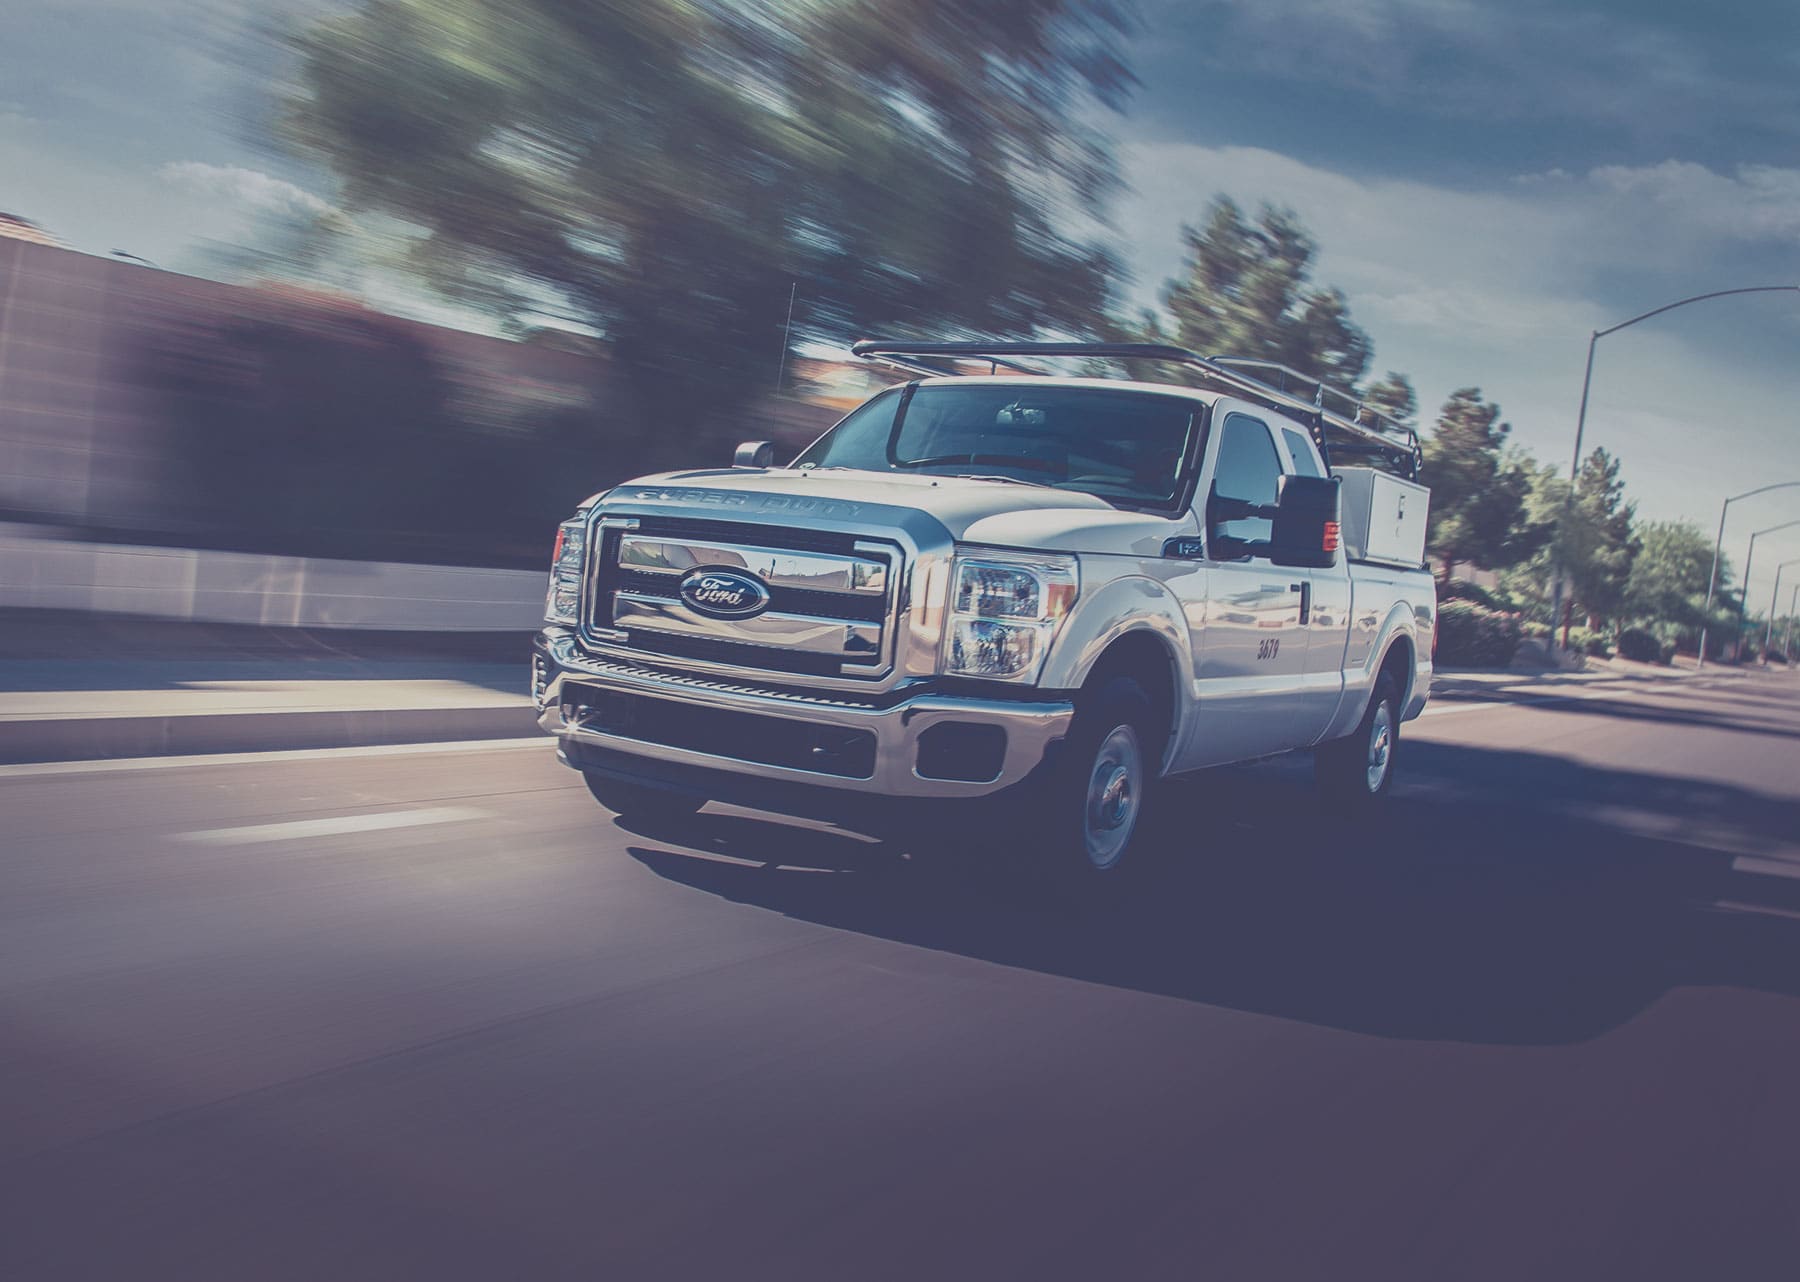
(724, 594)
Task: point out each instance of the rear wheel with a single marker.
(640, 801)
(1359, 768)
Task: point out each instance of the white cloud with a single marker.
(249, 189)
(1756, 202)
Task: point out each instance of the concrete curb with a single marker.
(91, 738)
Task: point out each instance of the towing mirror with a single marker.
(1306, 531)
(755, 454)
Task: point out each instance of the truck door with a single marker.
(1327, 611)
(1249, 644)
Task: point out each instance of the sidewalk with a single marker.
(191, 690)
(1453, 683)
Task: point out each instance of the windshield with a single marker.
(1130, 448)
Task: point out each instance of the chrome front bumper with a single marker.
(1030, 727)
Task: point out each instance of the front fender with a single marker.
(1118, 608)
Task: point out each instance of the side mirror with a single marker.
(1306, 531)
(755, 454)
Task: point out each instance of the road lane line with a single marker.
(35, 769)
(253, 834)
(1442, 709)
(1762, 867)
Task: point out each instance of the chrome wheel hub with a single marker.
(1114, 797)
(1381, 747)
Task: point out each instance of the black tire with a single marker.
(1358, 770)
(1100, 786)
(641, 801)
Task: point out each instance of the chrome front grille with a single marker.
(831, 597)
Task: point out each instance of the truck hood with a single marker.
(990, 512)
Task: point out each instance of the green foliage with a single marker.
(662, 171)
(1668, 576)
(1478, 493)
(1596, 541)
(1246, 290)
(1463, 590)
(1592, 642)
(1473, 636)
(1395, 397)
(1643, 646)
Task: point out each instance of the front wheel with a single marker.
(1101, 783)
(640, 801)
(1358, 770)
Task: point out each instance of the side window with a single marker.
(1305, 462)
(1248, 470)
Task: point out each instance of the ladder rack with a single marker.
(1336, 418)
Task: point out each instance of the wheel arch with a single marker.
(1131, 627)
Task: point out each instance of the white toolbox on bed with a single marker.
(1383, 517)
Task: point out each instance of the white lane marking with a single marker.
(1788, 868)
(1441, 709)
(33, 769)
(334, 827)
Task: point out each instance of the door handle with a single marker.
(1305, 590)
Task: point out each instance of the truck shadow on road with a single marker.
(1509, 911)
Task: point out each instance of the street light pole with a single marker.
(1712, 579)
(1787, 645)
(1587, 379)
(1774, 596)
(1737, 644)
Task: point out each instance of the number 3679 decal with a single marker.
(1267, 647)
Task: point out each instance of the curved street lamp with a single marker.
(1774, 596)
(1787, 646)
(1713, 579)
(1581, 418)
(1737, 645)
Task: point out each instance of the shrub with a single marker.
(1473, 636)
(1535, 631)
(1641, 646)
(1463, 590)
(1589, 642)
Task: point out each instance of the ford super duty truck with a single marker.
(1005, 589)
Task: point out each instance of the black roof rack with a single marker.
(1336, 417)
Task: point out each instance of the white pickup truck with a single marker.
(1002, 589)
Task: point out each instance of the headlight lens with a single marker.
(1004, 612)
(563, 602)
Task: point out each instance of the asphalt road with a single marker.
(408, 1014)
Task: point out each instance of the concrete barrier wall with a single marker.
(273, 591)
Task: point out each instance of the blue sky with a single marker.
(1488, 183)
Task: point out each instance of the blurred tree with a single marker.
(1245, 291)
(1667, 582)
(1596, 542)
(1394, 396)
(662, 171)
(1478, 490)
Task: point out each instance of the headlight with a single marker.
(563, 603)
(1004, 611)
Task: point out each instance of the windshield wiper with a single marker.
(1010, 480)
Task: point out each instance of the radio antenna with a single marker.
(786, 333)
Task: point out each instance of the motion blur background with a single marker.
(401, 281)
